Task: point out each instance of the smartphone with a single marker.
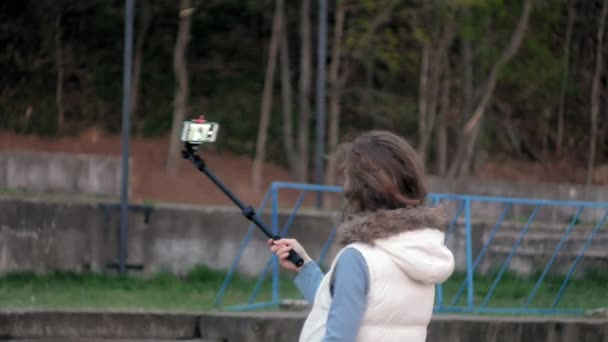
(197, 133)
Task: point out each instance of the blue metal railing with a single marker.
(463, 204)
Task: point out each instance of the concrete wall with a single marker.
(85, 173)
(60, 172)
(276, 327)
(547, 191)
(42, 236)
(535, 249)
(52, 235)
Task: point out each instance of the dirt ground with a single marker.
(148, 178)
(150, 182)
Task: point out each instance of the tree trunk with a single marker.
(144, 25)
(595, 92)
(60, 74)
(180, 69)
(470, 132)
(467, 159)
(468, 91)
(434, 86)
(434, 55)
(564, 87)
(266, 107)
(505, 57)
(423, 88)
(442, 132)
(287, 101)
(468, 99)
(304, 96)
(335, 91)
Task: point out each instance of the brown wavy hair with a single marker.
(382, 171)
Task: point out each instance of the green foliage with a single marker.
(228, 52)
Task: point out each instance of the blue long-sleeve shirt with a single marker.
(349, 288)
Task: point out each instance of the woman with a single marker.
(381, 285)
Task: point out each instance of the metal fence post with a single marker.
(469, 251)
(275, 231)
(126, 131)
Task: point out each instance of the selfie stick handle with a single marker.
(246, 210)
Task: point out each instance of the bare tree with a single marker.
(442, 131)
(505, 57)
(335, 90)
(423, 89)
(287, 100)
(180, 101)
(60, 72)
(564, 86)
(467, 97)
(305, 88)
(595, 92)
(432, 65)
(471, 130)
(142, 32)
(260, 149)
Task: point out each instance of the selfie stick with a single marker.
(246, 210)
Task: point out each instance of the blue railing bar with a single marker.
(555, 253)
(484, 249)
(251, 306)
(307, 187)
(327, 245)
(292, 216)
(434, 200)
(438, 287)
(511, 311)
(284, 231)
(578, 259)
(440, 196)
(439, 296)
(239, 254)
(260, 281)
(275, 231)
(510, 256)
(454, 220)
(528, 201)
(469, 251)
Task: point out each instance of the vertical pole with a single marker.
(469, 248)
(275, 231)
(320, 96)
(124, 191)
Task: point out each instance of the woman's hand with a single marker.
(282, 247)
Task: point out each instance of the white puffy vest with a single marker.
(399, 308)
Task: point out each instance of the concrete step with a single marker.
(535, 243)
(532, 251)
(536, 225)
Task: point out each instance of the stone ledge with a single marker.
(96, 325)
(274, 327)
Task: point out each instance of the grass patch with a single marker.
(586, 292)
(197, 290)
(167, 292)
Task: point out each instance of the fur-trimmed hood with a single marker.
(369, 227)
(414, 238)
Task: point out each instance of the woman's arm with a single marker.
(308, 280)
(349, 289)
(309, 276)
